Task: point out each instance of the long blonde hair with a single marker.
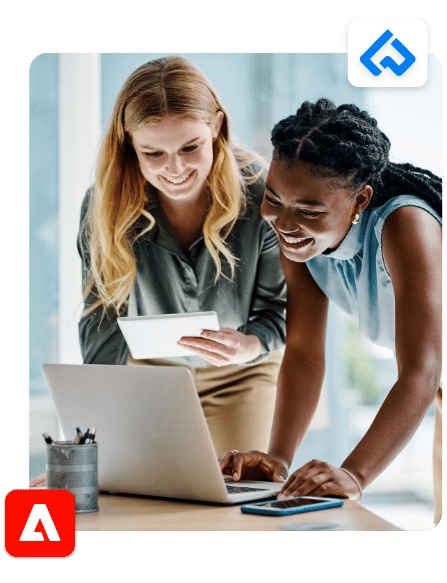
(170, 85)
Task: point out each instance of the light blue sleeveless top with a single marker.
(354, 275)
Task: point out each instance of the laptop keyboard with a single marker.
(241, 489)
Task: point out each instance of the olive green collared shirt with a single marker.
(169, 280)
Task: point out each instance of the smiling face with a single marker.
(176, 155)
(308, 214)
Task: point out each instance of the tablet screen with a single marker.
(157, 336)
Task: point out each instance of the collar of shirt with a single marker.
(162, 233)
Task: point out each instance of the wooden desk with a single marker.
(119, 512)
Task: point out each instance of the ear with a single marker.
(217, 124)
(362, 199)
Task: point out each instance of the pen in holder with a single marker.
(74, 468)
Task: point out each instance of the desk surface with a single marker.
(119, 512)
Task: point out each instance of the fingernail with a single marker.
(282, 477)
(235, 476)
(280, 495)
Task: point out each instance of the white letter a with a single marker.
(39, 512)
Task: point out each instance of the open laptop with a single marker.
(152, 435)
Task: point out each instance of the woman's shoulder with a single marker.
(254, 189)
(380, 214)
(252, 167)
(86, 201)
(254, 175)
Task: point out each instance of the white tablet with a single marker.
(157, 336)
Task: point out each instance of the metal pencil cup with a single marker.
(74, 468)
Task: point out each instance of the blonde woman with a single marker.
(173, 225)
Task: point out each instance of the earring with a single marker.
(356, 219)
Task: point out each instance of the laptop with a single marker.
(152, 435)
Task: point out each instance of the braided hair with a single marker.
(344, 143)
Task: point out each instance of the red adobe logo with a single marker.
(40, 523)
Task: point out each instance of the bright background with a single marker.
(71, 98)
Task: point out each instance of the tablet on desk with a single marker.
(157, 336)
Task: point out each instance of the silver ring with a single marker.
(234, 451)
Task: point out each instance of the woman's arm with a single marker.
(267, 317)
(100, 337)
(299, 382)
(101, 340)
(302, 370)
(412, 253)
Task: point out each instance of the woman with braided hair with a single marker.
(364, 232)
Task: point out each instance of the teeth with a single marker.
(180, 181)
(292, 240)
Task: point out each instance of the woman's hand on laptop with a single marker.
(253, 465)
(318, 478)
(228, 346)
(38, 481)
